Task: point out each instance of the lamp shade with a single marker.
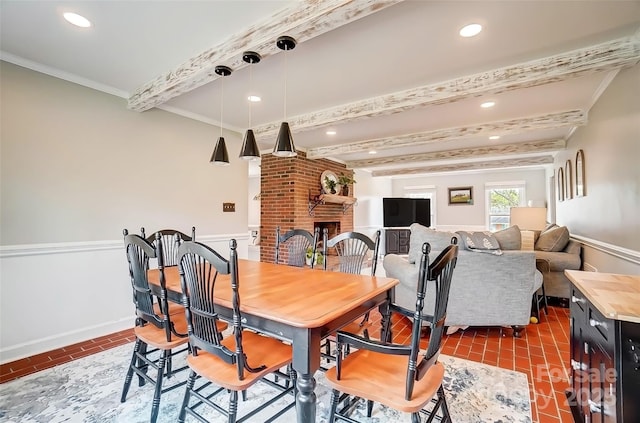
(529, 218)
(250, 148)
(220, 155)
(284, 143)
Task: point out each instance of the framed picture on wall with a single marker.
(560, 185)
(461, 195)
(580, 174)
(568, 174)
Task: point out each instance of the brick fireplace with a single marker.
(284, 186)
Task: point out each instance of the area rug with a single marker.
(88, 390)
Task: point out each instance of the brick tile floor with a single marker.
(542, 353)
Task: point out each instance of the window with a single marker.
(500, 198)
(424, 191)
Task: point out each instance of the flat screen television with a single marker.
(402, 212)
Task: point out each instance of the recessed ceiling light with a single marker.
(494, 137)
(77, 20)
(488, 104)
(331, 132)
(254, 98)
(373, 152)
(470, 30)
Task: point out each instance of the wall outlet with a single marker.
(588, 267)
(228, 207)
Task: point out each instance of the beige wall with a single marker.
(610, 211)
(76, 165)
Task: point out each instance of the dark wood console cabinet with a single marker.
(605, 347)
(396, 241)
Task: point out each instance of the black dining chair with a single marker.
(399, 376)
(297, 243)
(171, 240)
(159, 336)
(354, 250)
(232, 364)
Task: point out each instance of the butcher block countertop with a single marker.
(615, 296)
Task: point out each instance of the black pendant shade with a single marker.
(250, 148)
(220, 155)
(284, 143)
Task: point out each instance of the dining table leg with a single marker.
(306, 398)
(306, 360)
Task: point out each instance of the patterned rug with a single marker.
(88, 390)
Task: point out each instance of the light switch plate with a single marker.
(228, 207)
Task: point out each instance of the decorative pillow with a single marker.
(439, 240)
(554, 239)
(480, 242)
(510, 238)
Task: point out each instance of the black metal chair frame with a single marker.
(199, 267)
(139, 251)
(297, 242)
(439, 272)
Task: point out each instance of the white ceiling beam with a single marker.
(463, 153)
(457, 167)
(515, 126)
(303, 21)
(607, 56)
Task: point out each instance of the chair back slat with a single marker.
(171, 240)
(296, 241)
(353, 250)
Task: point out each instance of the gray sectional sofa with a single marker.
(486, 290)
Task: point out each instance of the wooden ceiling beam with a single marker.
(515, 126)
(303, 21)
(463, 153)
(615, 54)
(457, 167)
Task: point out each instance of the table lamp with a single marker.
(528, 219)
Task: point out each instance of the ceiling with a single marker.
(392, 77)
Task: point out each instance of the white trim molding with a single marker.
(614, 250)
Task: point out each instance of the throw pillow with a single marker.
(439, 240)
(555, 239)
(480, 242)
(510, 238)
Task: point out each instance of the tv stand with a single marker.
(396, 240)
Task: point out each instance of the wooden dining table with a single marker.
(298, 305)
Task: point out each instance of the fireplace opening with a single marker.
(333, 229)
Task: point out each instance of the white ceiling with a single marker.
(390, 76)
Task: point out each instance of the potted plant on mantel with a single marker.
(344, 181)
(331, 184)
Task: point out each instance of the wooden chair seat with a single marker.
(174, 308)
(381, 378)
(157, 338)
(268, 351)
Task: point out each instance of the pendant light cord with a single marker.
(221, 102)
(285, 83)
(250, 89)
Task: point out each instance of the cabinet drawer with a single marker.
(602, 329)
(578, 305)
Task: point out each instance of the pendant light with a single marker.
(220, 155)
(284, 143)
(250, 150)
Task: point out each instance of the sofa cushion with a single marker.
(439, 240)
(510, 238)
(555, 239)
(480, 242)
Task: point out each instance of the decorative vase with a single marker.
(345, 190)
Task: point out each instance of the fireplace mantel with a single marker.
(316, 200)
